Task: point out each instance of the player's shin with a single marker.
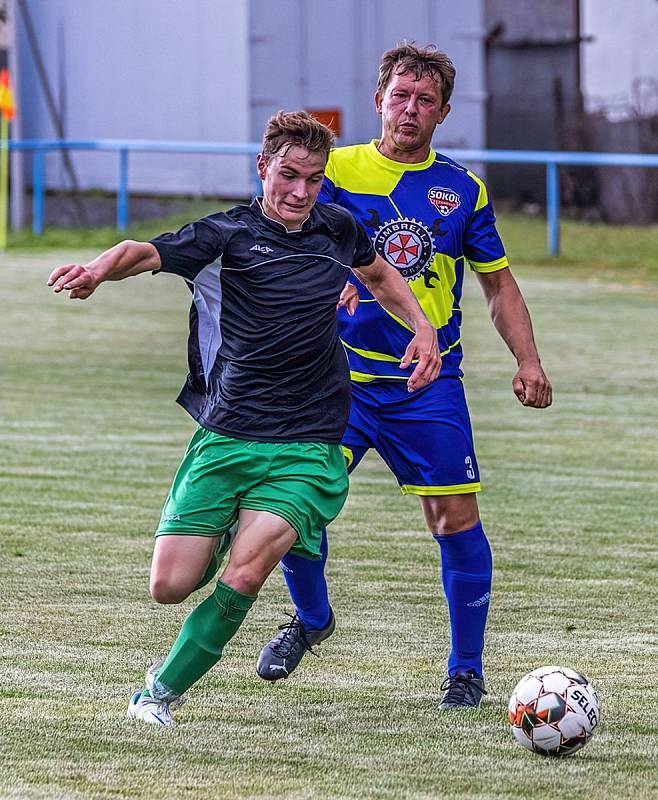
(202, 638)
(466, 569)
(308, 587)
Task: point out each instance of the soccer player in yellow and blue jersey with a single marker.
(430, 218)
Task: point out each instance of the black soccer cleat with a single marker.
(282, 654)
(463, 690)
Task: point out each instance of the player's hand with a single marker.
(349, 299)
(423, 348)
(75, 279)
(531, 385)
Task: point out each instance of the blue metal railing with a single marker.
(123, 147)
(550, 159)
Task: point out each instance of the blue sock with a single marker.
(308, 586)
(466, 572)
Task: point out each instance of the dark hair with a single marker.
(422, 62)
(288, 129)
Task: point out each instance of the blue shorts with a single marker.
(424, 437)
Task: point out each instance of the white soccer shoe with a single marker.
(150, 710)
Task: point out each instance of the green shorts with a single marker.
(305, 483)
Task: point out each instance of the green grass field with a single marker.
(606, 250)
(90, 437)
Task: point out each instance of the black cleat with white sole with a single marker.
(463, 690)
(282, 654)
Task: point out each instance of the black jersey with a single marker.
(265, 360)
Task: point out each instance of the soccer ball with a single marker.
(553, 711)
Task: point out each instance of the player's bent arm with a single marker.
(390, 290)
(511, 319)
(124, 260)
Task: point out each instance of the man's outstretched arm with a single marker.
(124, 260)
(391, 291)
(511, 318)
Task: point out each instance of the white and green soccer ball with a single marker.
(553, 711)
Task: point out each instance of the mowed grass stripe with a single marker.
(90, 438)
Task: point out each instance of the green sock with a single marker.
(202, 638)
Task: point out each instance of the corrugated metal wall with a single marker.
(533, 84)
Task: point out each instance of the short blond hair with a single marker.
(422, 62)
(288, 129)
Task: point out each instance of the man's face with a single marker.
(410, 111)
(291, 183)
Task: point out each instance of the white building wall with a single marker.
(144, 69)
(215, 70)
(309, 54)
(620, 65)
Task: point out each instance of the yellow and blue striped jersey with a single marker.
(426, 219)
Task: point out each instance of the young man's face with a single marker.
(291, 180)
(410, 111)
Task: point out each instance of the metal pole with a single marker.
(122, 192)
(553, 208)
(17, 183)
(4, 179)
(38, 192)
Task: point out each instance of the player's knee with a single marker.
(453, 523)
(451, 514)
(165, 591)
(245, 578)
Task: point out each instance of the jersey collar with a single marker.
(257, 204)
(398, 166)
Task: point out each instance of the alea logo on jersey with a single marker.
(407, 245)
(444, 200)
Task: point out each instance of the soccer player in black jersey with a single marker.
(268, 384)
